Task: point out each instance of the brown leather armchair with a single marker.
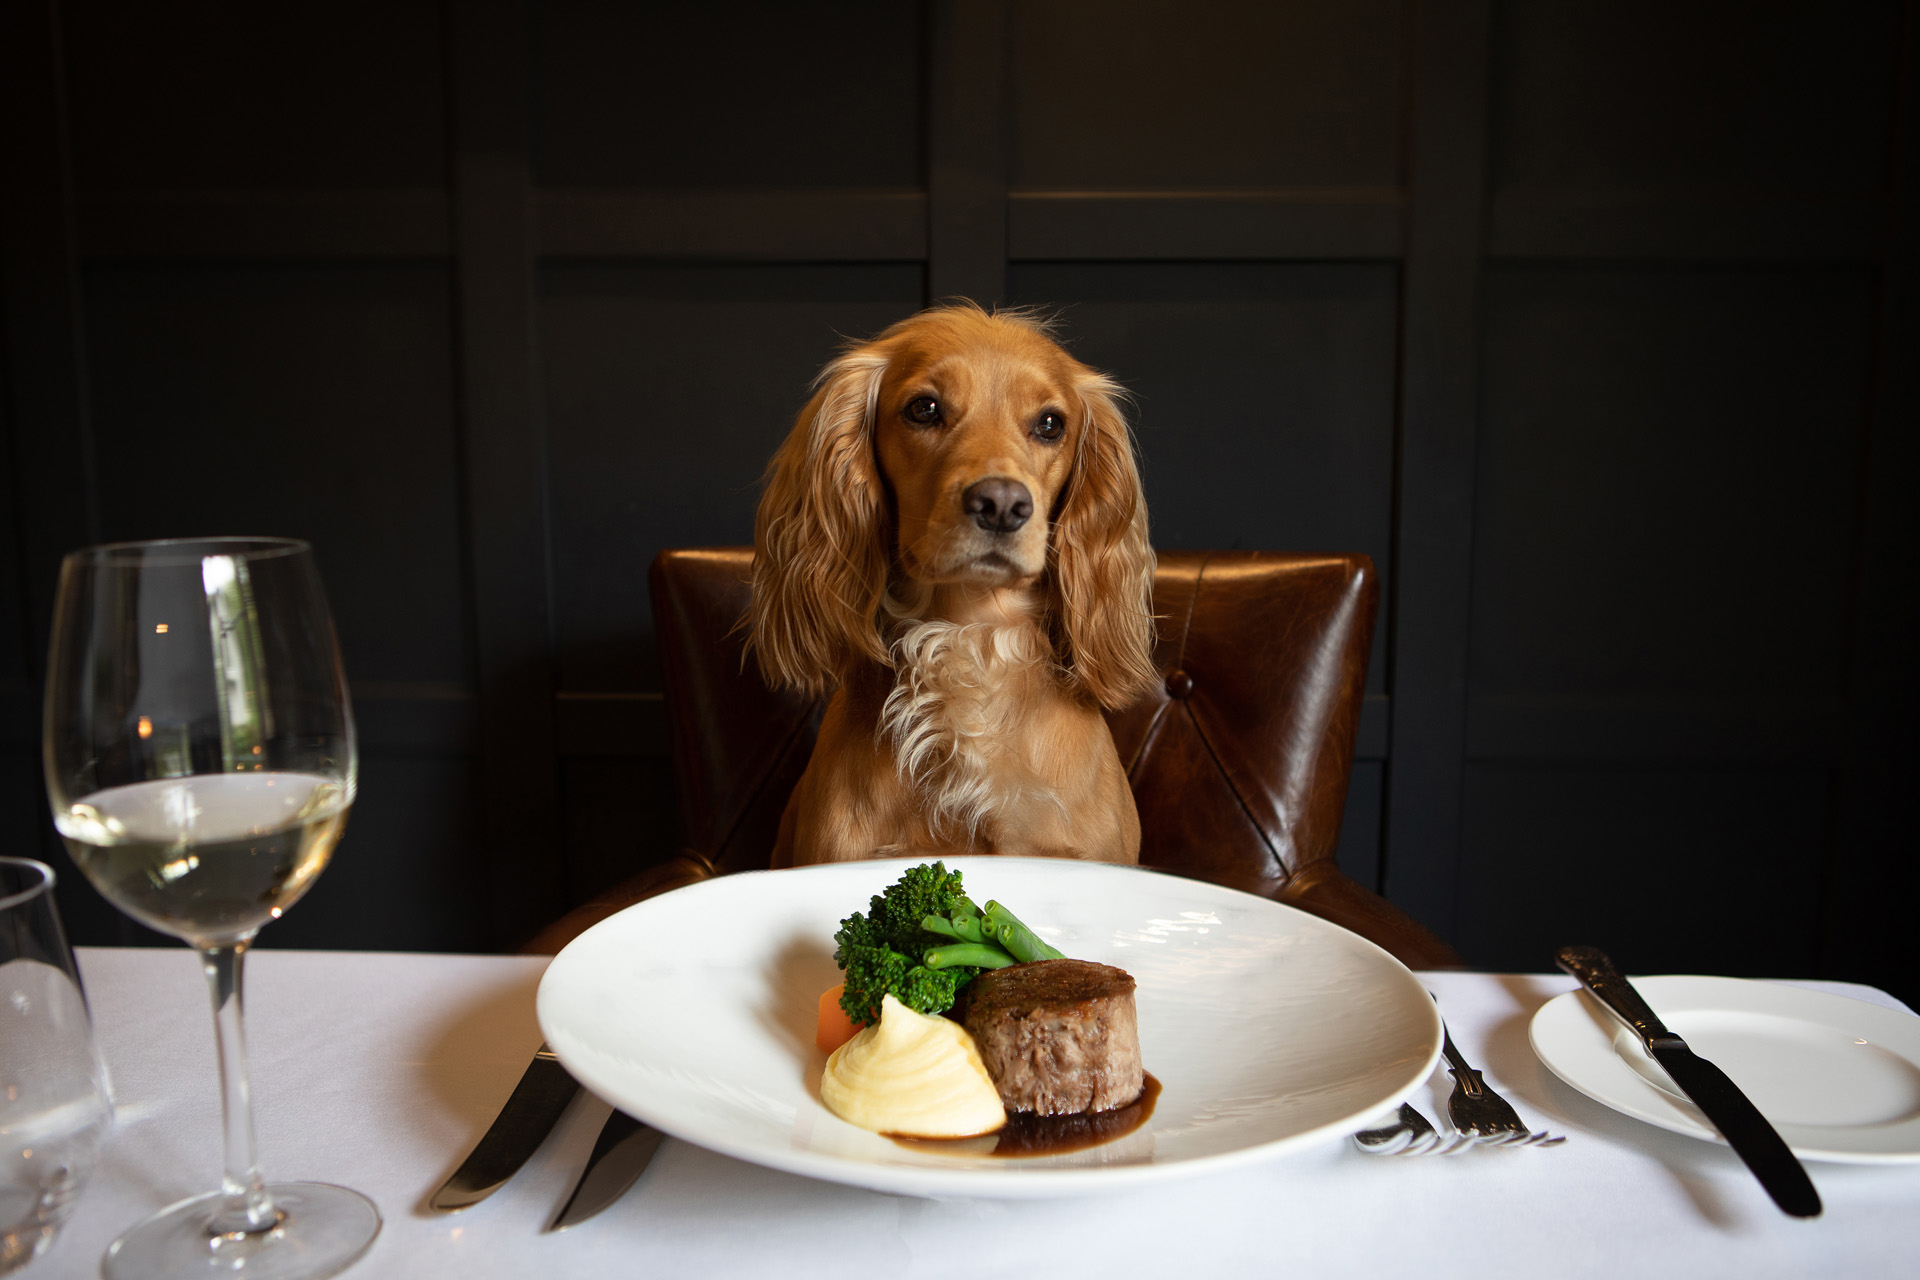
(1239, 764)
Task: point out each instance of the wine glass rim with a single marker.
(28, 894)
(253, 548)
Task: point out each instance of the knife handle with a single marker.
(1597, 973)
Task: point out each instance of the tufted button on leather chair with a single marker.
(1239, 767)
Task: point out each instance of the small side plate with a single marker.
(1839, 1078)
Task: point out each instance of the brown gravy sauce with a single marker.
(1027, 1134)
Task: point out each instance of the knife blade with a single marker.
(1752, 1138)
(620, 1155)
(516, 1133)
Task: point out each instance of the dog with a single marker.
(953, 541)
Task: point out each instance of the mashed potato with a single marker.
(912, 1076)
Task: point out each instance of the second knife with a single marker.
(1752, 1138)
(620, 1155)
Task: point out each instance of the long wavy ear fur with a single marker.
(821, 537)
(1102, 580)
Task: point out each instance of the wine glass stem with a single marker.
(247, 1206)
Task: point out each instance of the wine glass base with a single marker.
(23, 1245)
(323, 1230)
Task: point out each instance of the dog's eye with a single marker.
(924, 410)
(1051, 426)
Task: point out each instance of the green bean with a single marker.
(939, 925)
(1021, 942)
(967, 928)
(974, 954)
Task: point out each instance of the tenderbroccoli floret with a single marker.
(882, 950)
(923, 940)
(931, 990)
(926, 890)
(872, 972)
(856, 931)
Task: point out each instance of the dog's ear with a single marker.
(822, 538)
(1102, 579)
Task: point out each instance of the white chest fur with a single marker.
(953, 720)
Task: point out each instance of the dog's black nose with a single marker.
(997, 505)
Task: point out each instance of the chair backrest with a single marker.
(1239, 763)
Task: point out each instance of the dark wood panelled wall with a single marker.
(1595, 325)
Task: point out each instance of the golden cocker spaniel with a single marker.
(953, 540)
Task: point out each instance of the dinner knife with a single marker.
(1753, 1139)
(516, 1133)
(620, 1156)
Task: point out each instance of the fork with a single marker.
(1480, 1114)
(1408, 1134)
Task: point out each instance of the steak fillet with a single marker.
(1059, 1037)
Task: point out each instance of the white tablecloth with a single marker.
(381, 1071)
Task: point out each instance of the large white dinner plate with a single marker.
(1839, 1078)
(1269, 1029)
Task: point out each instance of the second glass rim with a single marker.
(260, 547)
(48, 878)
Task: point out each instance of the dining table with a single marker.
(380, 1071)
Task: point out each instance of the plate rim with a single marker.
(1561, 1032)
(986, 1183)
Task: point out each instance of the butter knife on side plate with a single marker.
(620, 1155)
(516, 1133)
(1753, 1139)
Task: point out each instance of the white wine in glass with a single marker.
(201, 763)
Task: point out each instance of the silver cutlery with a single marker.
(1480, 1117)
(516, 1133)
(620, 1155)
(1754, 1140)
(1480, 1114)
(1408, 1134)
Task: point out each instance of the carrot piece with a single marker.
(835, 1028)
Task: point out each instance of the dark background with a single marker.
(1595, 324)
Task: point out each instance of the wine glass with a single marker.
(55, 1107)
(200, 763)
